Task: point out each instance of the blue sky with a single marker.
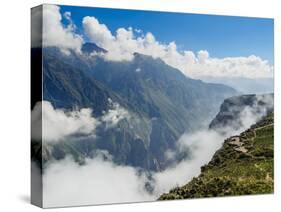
(221, 36)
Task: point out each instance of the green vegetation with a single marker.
(244, 165)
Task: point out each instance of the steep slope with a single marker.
(234, 109)
(69, 87)
(163, 92)
(66, 86)
(244, 165)
(162, 102)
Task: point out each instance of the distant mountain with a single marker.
(245, 85)
(243, 166)
(161, 91)
(162, 102)
(88, 48)
(234, 109)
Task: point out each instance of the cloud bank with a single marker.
(57, 124)
(123, 43)
(54, 125)
(202, 145)
(98, 182)
(101, 181)
(126, 42)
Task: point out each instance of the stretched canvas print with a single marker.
(133, 106)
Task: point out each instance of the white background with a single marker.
(15, 98)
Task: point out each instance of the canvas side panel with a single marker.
(36, 107)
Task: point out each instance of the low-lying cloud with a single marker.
(246, 114)
(57, 124)
(53, 125)
(202, 145)
(114, 115)
(101, 181)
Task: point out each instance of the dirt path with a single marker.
(255, 134)
(238, 146)
(263, 127)
(241, 149)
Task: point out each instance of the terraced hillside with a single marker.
(243, 166)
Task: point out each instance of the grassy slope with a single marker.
(235, 170)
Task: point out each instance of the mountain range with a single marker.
(162, 103)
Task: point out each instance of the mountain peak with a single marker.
(89, 48)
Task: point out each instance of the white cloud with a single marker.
(202, 146)
(125, 42)
(252, 114)
(203, 56)
(114, 115)
(54, 125)
(55, 34)
(245, 115)
(99, 181)
(57, 124)
(247, 67)
(98, 33)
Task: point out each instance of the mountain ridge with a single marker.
(162, 102)
(234, 109)
(242, 166)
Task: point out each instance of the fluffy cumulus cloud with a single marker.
(57, 124)
(99, 181)
(55, 33)
(125, 42)
(247, 67)
(53, 125)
